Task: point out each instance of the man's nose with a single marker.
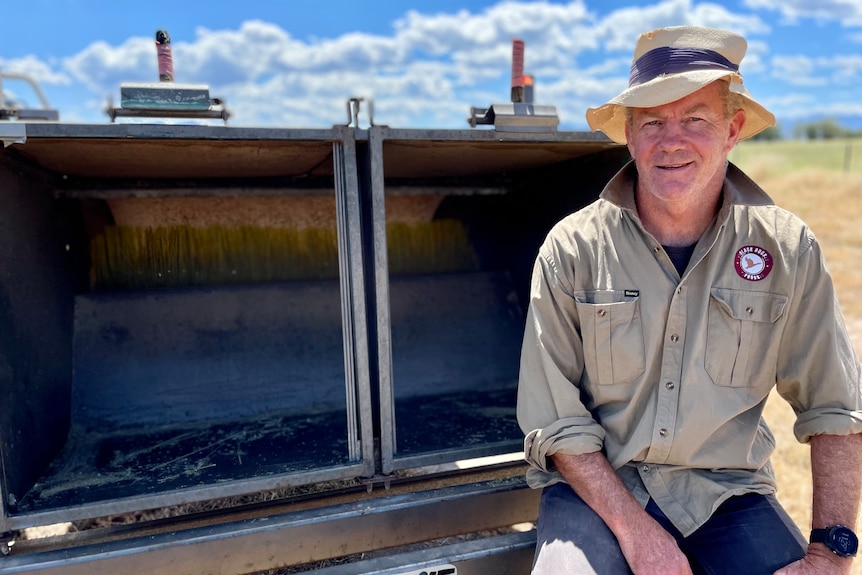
(672, 136)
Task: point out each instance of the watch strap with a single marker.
(818, 536)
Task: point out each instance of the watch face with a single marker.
(842, 541)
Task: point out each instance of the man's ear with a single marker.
(736, 124)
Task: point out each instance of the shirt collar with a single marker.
(739, 189)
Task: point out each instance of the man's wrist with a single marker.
(838, 539)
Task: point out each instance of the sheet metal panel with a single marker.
(37, 249)
(258, 544)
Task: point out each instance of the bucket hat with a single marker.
(671, 63)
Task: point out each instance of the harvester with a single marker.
(234, 350)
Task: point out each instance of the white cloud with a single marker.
(102, 67)
(42, 72)
(848, 12)
(622, 26)
(818, 72)
(432, 67)
(845, 67)
(754, 60)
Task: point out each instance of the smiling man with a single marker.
(661, 318)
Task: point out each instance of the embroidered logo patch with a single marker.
(752, 263)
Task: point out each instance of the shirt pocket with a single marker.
(612, 336)
(740, 336)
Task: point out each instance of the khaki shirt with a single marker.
(669, 375)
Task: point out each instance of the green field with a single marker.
(842, 155)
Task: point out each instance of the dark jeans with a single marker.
(747, 535)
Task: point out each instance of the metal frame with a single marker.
(355, 337)
(377, 137)
(8, 112)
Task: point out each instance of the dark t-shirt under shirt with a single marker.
(680, 256)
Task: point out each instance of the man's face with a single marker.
(680, 149)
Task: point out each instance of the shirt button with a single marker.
(749, 310)
(662, 432)
(656, 249)
(602, 313)
(669, 385)
(645, 468)
(674, 338)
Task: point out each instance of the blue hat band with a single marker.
(671, 60)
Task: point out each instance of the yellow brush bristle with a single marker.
(131, 257)
(126, 257)
(438, 246)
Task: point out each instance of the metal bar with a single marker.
(588, 139)
(339, 155)
(175, 132)
(357, 384)
(445, 190)
(30, 81)
(381, 281)
(152, 191)
(115, 113)
(594, 141)
(507, 554)
(489, 458)
(433, 460)
(364, 405)
(299, 538)
(182, 192)
(184, 496)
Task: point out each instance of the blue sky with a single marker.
(293, 63)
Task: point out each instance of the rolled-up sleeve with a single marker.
(551, 412)
(819, 373)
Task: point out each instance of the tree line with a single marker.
(827, 129)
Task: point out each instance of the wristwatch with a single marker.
(839, 539)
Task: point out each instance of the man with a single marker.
(661, 317)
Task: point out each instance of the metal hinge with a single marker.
(377, 480)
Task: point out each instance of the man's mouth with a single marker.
(674, 166)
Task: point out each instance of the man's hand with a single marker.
(650, 550)
(818, 561)
(647, 547)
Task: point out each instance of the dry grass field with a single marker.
(820, 182)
